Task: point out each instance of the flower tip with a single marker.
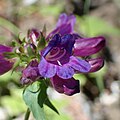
(96, 64)
(101, 37)
(71, 92)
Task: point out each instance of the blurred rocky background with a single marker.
(100, 92)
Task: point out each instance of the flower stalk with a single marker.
(27, 115)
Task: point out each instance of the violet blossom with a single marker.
(59, 60)
(5, 64)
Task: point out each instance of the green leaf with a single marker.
(24, 58)
(30, 51)
(50, 105)
(16, 64)
(35, 96)
(42, 95)
(30, 97)
(10, 55)
(43, 98)
(44, 30)
(42, 42)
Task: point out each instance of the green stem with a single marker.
(86, 6)
(27, 114)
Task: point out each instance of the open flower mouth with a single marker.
(55, 54)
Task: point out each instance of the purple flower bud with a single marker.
(33, 35)
(5, 64)
(88, 46)
(30, 73)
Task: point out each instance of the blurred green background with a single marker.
(99, 98)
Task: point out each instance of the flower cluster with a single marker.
(61, 58)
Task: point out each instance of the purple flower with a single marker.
(5, 64)
(30, 73)
(59, 60)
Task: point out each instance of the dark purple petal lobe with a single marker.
(46, 69)
(79, 65)
(57, 83)
(96, 64)
(66, 86)
(88, 46)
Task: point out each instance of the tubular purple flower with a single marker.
(59, 60)
(30, 73)
(5, 64)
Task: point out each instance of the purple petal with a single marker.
(62, 30)
(5, 65)
(65, 29)
(65, 25)
(96, 64)
(88, 46)
(79, 65)
(62, 19)
(5, 49)
(65, 71)
(66, 86)
(53, 43)
(66, 19)
(46, 69)
(67, 42)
